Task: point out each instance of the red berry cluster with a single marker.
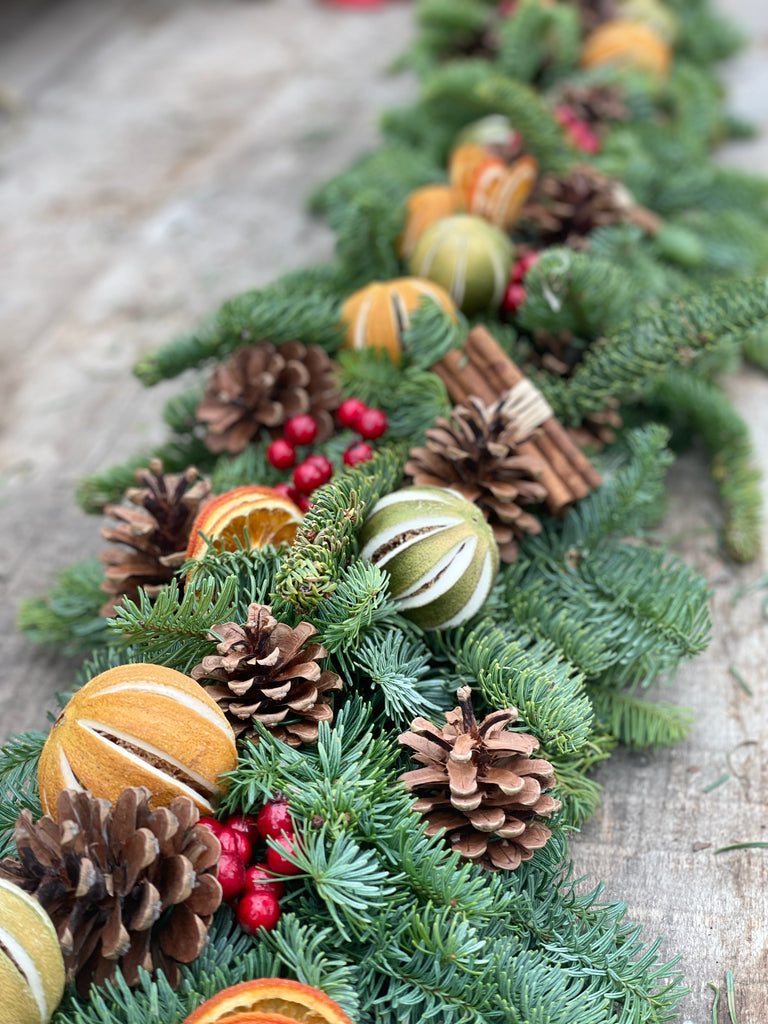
(249, 884)
(579, 132)
(315, 469)
(515, 294)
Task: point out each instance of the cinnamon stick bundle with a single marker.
(483, 369)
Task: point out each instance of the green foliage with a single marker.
(270, 314)
(18, 783)
(701, 404)
(68, 618)
(638, 722)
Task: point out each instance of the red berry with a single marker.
(360, 452)
(236, 842)
(287, 492)
(523, 265)
(514, 297)
(212, 823)
(323, 463)
(565, 116)
(372, 423)
(258, 878)
(280, 864)
(245, 823)
(301, 429)
(305, 503)
(273, 819)
(281, 454)
(231, 875)
(583, 137)
(257, 910)
(307, 477)
(349, 410)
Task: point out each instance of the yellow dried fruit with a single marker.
(139, 725)
(31, 964)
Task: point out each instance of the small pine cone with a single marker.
(263, 385)
(481, 785)
(598, 429)
(477, 453)
(564, 208)
(265, 671)
(125, 886)
(152, 535)
(594, 103)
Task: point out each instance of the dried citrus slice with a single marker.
(248, 516)
(269, 1001)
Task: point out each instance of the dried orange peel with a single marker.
(269, 1001)
(250, 516)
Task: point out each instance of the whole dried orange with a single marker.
(139, 725)
(269, 1001)
(250, 516)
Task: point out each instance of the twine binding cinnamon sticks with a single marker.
(482, 368)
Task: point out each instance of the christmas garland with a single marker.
(405, 602)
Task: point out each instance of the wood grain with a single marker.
(154, 158)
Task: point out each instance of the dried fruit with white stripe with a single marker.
(139, 725)
(31, 964)
(438, 550)
(481, 785)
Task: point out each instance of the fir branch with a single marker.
(253, 569)
(395, 665)
(68, 618)
(732, 462)
(19, 757)
(510, 671)
(270, 314)
(677, 334)
(638, 722)
(347, 878)
(580, 794)
(577, 292)
(230, 471)
(358, 603)
(366, 228)
(431, 333)
(175, 630)
(326, 540)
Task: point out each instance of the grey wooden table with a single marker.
(154, 159)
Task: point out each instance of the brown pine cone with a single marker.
(125, 886)
(481, 785)
(266, 672)
(477, 453)
(152, 535)
(263, 385)
(594, 103)
(564, 208)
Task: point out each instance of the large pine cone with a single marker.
(152, 533)
(125, 887)
(477, 453)
(265, 671)
(263, 385)
(481, 785)
(564, 208)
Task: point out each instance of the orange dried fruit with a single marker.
(139, 725)
(423, 207)
(497, 192)
(278, 999)
(628, 44)
(250, 516)
(377, 314)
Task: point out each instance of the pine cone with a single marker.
(125, 887)
(267, 674)
(477, 453)
(263, 385)
(481, 785)
(564, 208)
(599, 428)
(594, 103)
(156, 531)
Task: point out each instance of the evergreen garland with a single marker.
(387, 920)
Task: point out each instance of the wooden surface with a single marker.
(154, 158)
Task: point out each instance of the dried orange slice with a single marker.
(250, 516)
(269, 1001)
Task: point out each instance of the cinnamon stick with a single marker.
(490, 360)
